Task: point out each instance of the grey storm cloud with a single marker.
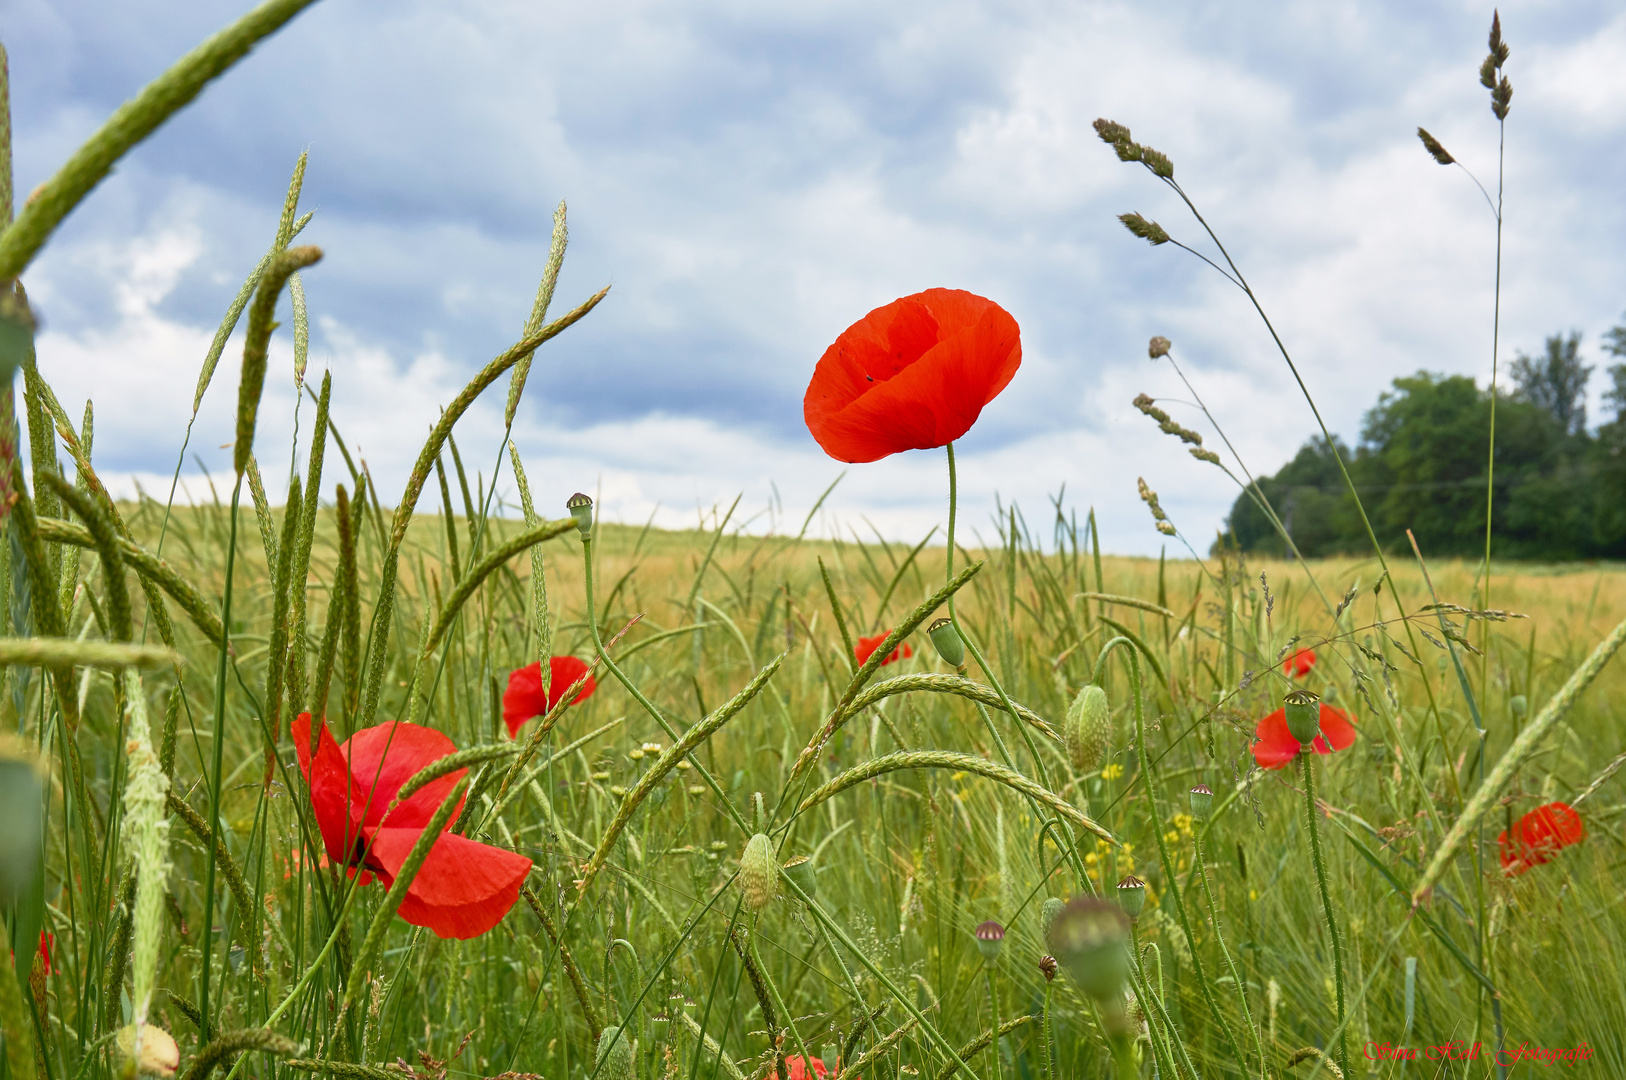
(752, 178)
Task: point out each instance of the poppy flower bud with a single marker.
(1047, 967)
(947, 641)
(615, 1053)
(1303, 709)
(1132, 896)
(1202, 802)
(160, 1056)
(1091, 940)
(581, 508)
(800, 871)
(1518, 705)
(1088, 728)
(1047, 915)
(1159, 346)
(759, 872)
(990, 940)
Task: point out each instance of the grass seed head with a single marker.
(1158, 162)
(1432, 145)
(1158, 346)
(1487, 73)
(1132, 896)
(1111, 131)
(1088, 729)
(990, 940)
(1501, 97)
(1150, 231)
(1303, 709)
(759, 872)
(581, 508)
(1090, 938)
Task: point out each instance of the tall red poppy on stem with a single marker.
(1299, 664)
(1538, 836)
(912, 375)
(463, 888)
(524, 697)
(867, 645)
(1274, 746)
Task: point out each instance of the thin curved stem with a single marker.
(1230, 964)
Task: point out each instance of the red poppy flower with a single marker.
(796, 1069)
(1274, 745)
(1299, 664)
(867, 646)
(1539, 835)
(911, 375)
(463, 888)
(524, 697)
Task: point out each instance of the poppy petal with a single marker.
(332, 787)
(1337, 729)
(566, 671)
(393, 753)
(463, 888)
(911, 375)
(1274, 745)
(524, 697)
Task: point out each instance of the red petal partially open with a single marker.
(463, 888)
(524, 699)
(1274, 745)
(911, 375)
(337, 817)
(393, 753)
(566, 671)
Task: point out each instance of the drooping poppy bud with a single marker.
(1047, 915)
(1132, 895)
(1303, 709)
(615, 1054)
(800, 871)
(990, 940)
(1047, 967)
(1088, 728)
(1091, 940)
(581, 508)
(759, 872)
(947, 641)
(1202, 802)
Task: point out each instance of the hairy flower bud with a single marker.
(1091, 940)
(615, 1055)
(1303, 710)
(1088, 729)
(1132, 895)
(1047, 915)
(581, 508)
(990, 940)
(947, 641)
(759, 872)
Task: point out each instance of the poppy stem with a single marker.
(1326, 904)
(993, 1004)
(1219, 935)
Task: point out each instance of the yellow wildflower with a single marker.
(1112, 772)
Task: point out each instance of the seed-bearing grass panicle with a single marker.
(146, 827)
(1150, 231)
(1088, 729)
(1149, 497)
(1438, 152)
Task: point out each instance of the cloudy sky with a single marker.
(751, 178)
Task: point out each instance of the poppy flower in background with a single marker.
(1539, 835)
(867, 645)
(463, 888)
(524, 697)
(797, 1069)
(911, 375)
(1275, 747)
(1299, 664)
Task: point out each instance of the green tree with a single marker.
(1556, 381)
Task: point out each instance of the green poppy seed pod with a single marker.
(615, 1055)
(1518, 705)
(800, 871)
(1202, 802)
(1047, 967)
(990, 940)
(1088, 729)
(1047, 916)
(1303, 709)
(581, 508)
(1091, 940)
(1132, 895)
(759, 872)
(947, 641)
(21, 797)
(658, 1025)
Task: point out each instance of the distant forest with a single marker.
(1560, 487)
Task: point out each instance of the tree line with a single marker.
(1559, 488)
